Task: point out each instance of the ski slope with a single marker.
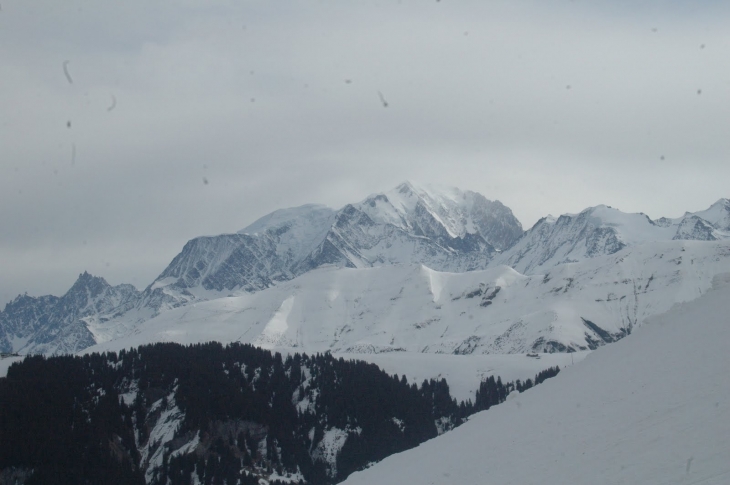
(653, 408)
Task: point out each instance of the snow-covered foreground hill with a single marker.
(411, 308)
(653, 408)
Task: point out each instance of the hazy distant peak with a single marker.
(432, 191)
(718, 214)
(88, 281)
(443, 211)
(284, 217)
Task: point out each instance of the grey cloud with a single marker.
(253, 98)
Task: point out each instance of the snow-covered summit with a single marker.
(718, 215)
(297, 230)
(283, 218)
(444, 228)
(440, 211)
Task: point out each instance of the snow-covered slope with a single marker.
(253, 259)
(298, 231)
(651, 409)
(603, 230)
(411, 308)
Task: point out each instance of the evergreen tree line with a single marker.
(492, 391)
(255, 414)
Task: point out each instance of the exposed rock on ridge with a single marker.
(49, 324)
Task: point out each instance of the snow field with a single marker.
(411, 308)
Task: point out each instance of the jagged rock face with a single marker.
(269, 250)
(225, 262)
(445, 214)
(695, 229)
(496, 222)
(718, 215)
(50, 324)
(569, 238)
(23, 317)
(448, 230)
(356, 241)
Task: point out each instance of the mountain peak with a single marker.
(406, 186)
(87, 281)
(442, 211)
(284, 217)
(86, 276)
(718, 214)
(429, 191)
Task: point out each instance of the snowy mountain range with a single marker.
(447, 230)
(417, 268)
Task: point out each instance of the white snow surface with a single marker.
(300, 229)
(330, 446)
(464, 373)
(653, 408)
(411, 308)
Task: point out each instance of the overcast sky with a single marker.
(547, 106)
